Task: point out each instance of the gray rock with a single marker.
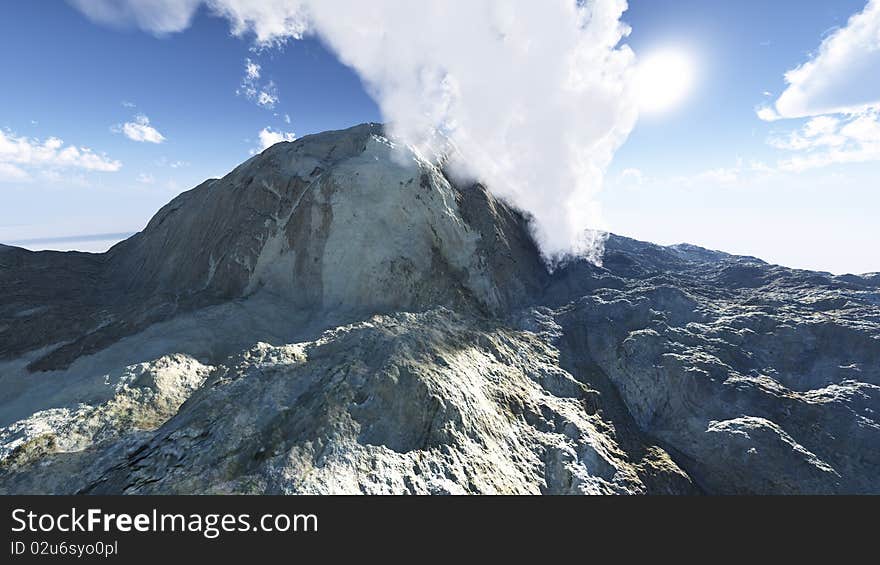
(337, 315)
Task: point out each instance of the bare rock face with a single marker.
(769, 388)
(341, 220)
(337, 315)
(408, 403)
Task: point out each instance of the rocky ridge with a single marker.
(339, 315)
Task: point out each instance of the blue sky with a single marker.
(706, 172)
(741, 49)
(821, 218)
(72, 84)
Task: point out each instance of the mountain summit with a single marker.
(340, 222)
(339, 315)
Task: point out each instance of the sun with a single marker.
(664, 78)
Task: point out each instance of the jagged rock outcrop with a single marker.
(769, 388)
(338, 315)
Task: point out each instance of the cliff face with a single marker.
(337, 315)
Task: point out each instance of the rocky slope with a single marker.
(337, 316)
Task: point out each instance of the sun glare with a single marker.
(664, 80)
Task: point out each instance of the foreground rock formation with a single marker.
(337, 315)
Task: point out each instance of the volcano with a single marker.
(339, 314)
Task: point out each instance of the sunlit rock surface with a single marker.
(339, 315)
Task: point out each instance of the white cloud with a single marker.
(265, 95)
(839, 90)
(252, 70)
(864, 128)
(286, 118)
(821, 141)
(127, 104)
(830, 140)
(248, 85)
(821, 131)
(145, 178)
(821, 126)
(536, 96)
(843, 76)
(139, 130)
(18, 154)
(159, 16)
(767, 114)
(269, 97)
(729, 177)
(269, 137)
(10, 173)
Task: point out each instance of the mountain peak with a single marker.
(338, 315)
(346, 221)
(339, 220)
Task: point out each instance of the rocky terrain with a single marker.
(338, 315)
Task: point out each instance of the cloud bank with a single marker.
(18, 155)
(839, 89)
(535, 96)
(826, 140)
(843, 76)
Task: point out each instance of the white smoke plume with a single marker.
(536, 96)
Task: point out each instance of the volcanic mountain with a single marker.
(339, 315)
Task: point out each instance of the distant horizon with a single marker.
(102, 242)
